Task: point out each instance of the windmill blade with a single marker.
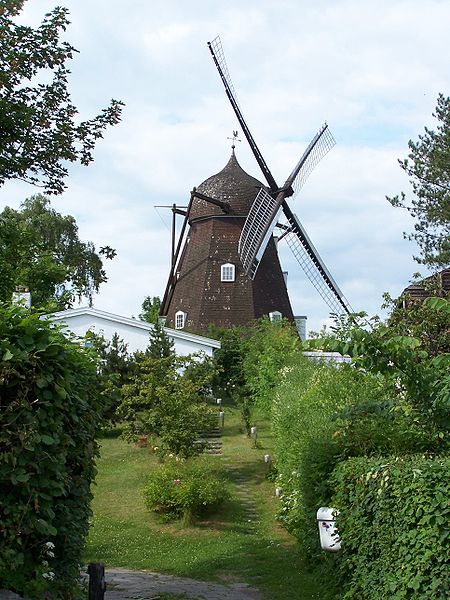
(218, 55)
(257, 230)
(264, 212)
(318, 147)
(313, 266)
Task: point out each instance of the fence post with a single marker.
(97, 585)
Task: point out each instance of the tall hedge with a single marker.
(49, 412)
(394, 523)
(307, 428)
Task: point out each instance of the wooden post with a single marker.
(97, 585)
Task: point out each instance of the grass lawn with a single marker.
(222, 547)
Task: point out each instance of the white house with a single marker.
(134, 332)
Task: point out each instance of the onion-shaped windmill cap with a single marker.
(232, 185)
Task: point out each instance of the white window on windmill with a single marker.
(275, 316)
(180, 319)
(227, 272)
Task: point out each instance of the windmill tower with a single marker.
(228, 272)
(207, 283)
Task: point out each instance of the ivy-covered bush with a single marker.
(394, 525)
(49, 412)
(185, 489)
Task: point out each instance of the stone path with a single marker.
(244, 495)
(122, 584)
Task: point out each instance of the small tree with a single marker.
(150, 309)
(115, 369)
(160, 345)
(163, 403)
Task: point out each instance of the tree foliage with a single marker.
(163, 404)
(160, 344)
(428, 166)
(40, 250)
(150, 309)
(115, 369)
(415, 374)
(38, 128)
(49, 414)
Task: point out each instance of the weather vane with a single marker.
(234, 138)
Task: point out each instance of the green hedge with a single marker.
(305, 420)
(48, 418)
(394, 523)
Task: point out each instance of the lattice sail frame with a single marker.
(257, 231)
(216, 45)
(314, 267)
(318, 147)
(265, 210)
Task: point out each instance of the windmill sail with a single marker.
(257, 230)
(313, 266)
(215, 47)
(320, 145)
(263, 214)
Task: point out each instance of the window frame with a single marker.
(230, 269)
(180, 314)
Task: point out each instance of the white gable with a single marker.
(134, 332)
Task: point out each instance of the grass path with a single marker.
(242, 543)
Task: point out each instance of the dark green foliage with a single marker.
(428, 166)
(160, 345)
(49, 415)
(185, 489)
(310, 424)
(394, 524)
(38, 130)
(415, 317)
(150, 309)
(249, 362)
(40, 250)
(164, 403)
(115, 369)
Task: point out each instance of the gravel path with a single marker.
(126, 585)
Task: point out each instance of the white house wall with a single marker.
(134, 332)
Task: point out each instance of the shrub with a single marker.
(184, 489)
(164, 401)
(394, 525)
(308, 442)
(48, 418)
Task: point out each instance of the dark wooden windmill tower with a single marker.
(225, 269)
(208, 283)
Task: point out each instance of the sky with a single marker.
(371, 70)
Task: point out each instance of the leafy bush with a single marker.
(394, 525)
(166, 400)
(308, 438)
(48, 418)
(184, 488)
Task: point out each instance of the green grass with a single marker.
(219, 548)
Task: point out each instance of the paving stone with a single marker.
(128, 585)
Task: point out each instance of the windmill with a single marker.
(270, 206)
(225, 268)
